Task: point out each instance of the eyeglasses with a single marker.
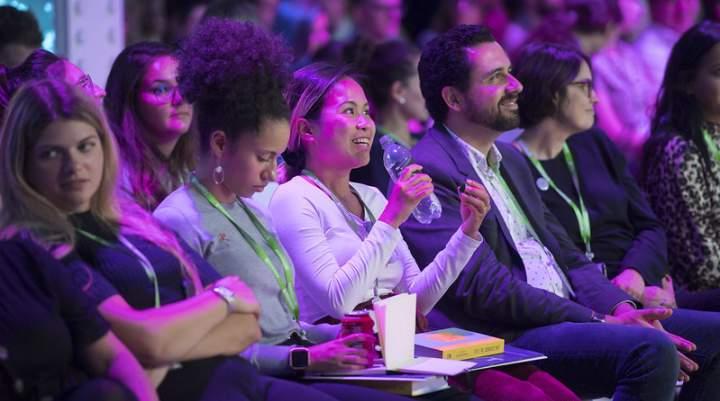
(164, 92)
(586, 85)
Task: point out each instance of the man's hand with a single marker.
(650, 318)
(630, 281)
(660, 296)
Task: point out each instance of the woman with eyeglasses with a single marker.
(584, 181)
(582, 176)
(42, 64)
(150, 120)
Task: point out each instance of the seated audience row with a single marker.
(529, 231)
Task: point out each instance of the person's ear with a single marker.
(305, 128)
(398, 92)
(218, 144)
(453, 98)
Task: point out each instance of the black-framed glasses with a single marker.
(586, 85)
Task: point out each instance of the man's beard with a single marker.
(495, 118)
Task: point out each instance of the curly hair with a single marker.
(545, 70)
(234, 73)
(444, 62)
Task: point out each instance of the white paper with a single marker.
(396, 328)
(436, 366)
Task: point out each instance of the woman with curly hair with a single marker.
(150, 120)
(183, 322)
(235, 74)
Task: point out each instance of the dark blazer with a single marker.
(491, 295)
(625, 231)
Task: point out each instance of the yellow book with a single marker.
(458, 344)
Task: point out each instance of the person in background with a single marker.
(584, 24)
(681, 165)
(389, 77)
(44, 64)
(53, 343)
(670, 19)
(243, 120)
(184, 323)
(377, 20)
(525, 17)
(305, 28)
(19, 36)
(150, 119)
(181, 17)
(621, 82)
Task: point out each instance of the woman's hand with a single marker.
(474, 206)
(245, 301)
(346, 353)
(409, 189)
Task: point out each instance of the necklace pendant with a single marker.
(542, 184)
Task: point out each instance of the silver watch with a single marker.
(226, 295)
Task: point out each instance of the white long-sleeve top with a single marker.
(336, 270)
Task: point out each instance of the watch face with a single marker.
(299, 358)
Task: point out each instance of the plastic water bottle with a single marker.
(396, 158)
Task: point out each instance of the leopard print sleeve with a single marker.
(682, 199)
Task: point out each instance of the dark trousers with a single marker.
(630, 363)
(99, 390)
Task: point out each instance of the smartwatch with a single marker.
(299, 358)
(226, 295)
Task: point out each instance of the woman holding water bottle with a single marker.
(343, 237)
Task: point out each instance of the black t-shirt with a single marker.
(46, 320)
(117, 271)
(625, 232)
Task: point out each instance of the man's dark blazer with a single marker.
(492, 295)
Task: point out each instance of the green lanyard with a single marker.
(712, 147)
(287, 286)
(362, 233)
(144, 262)
(581, 213)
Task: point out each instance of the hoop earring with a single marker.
(218, 174)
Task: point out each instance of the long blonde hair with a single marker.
(33, 108)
